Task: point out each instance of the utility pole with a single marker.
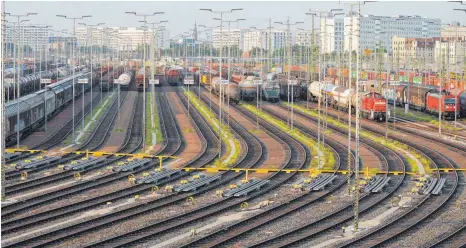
(144, 75)
(220, 71)
(74, 44)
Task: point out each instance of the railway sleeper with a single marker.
(372, 183)
(130, 165)
(429, 186)
(324, 183)
(380, 187)
(254, 187)
(438, 188)
(11, 155)
(157, 176)
(197, 183)
(83, 163)
(35, 162)
(240, 185)
(310, 183)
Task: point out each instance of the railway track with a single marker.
(134, 142)
(415, 216)
(174, 145)
(51, 142)
(399, 224)
(227, 235)
(455, 239)
(60, 134)
(254, 156)
(87, 108)
(294, 206)
(93, 142)
(46, 198)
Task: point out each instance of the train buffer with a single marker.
(429, 186)
(438, 188)
(157, 176)
(130, 165)
(376, 184)
(197, 182)
(83, 163)
(35, 162)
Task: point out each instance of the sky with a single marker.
(183, 15)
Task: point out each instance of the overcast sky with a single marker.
(182, 15)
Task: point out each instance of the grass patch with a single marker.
(152, 126)
(210, 116)
(392, 144)
(445, 126)
(400, 112)
(102, 106)
(329, 159)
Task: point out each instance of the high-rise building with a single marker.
(260, 39)
(228, 37)
(375, 30)
(332, 34)
(123, 37)
(31, 35)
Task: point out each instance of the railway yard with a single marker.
(166, 148)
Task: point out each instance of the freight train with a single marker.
(271, 88)
(426, 98)
(174, 76)
(31, 107)
(31, 82)
(230, 90)
(142, 79)
(125, 79)
(373, 105)
(108, 80)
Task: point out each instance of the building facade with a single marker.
(449, 51)
(31, 35)
(124, 38)
(455, 31)
(379, 30)
(227, 37)
(413, 52)
(332, 34)
(262, 38)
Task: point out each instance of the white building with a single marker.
(332, 34)
(413, 52)
(123, 37)
(253, 38)
(455, 31)
(451, 50)
(31, 35)
(226, 37)
(375, 29)
(261, 39)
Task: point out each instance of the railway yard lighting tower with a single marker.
(144, 75)
(358, 103)
(210, 63)
(74, 44)
(289, 82)
(229, 62)
(18, 72)
(221, 79)
(92, 26)
(464, 55)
